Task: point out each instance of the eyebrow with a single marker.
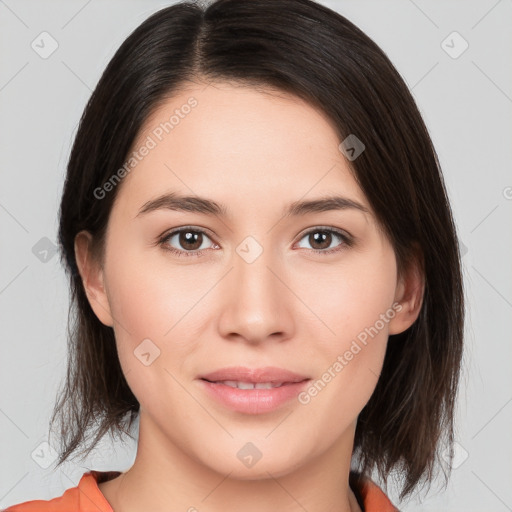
(196, 204)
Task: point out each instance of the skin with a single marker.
(254, 152)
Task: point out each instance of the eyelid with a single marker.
(198, 229)
(338, 231)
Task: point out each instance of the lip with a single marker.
(254, 375)
(253, 401)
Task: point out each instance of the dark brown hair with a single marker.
(304, 48)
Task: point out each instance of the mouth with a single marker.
(253, 391)
(250, 385)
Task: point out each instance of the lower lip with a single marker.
(253, 401)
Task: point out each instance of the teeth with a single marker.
(245, 385)
(250, 385)
(230, 383)
(265, 385)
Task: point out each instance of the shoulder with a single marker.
(370, 496)
(85, 497)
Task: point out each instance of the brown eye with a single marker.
(321, 240)
(185, 242)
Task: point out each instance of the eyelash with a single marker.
(347, 241)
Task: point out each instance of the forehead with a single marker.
(238, 144)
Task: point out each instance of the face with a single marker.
(313, 291)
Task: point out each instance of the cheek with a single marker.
(349, 297)
(148, 295)
(355, 304)
(153, 330)
(152, 309)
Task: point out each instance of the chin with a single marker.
(260, 470)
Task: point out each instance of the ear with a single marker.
(91, 273)
(409, 294)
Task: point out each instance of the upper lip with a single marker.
(254, 375)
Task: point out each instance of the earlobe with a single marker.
(409, 294)
(92, 276)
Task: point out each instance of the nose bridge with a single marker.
(255, 303)
(251, 270)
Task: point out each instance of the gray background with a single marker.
(467, 104)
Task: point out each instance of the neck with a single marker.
(165, 474)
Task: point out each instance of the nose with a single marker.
(256, 304)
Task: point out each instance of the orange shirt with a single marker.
(87, 497)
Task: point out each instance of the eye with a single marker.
(322, 238)
(190, 240)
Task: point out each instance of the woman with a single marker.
(264, 269)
